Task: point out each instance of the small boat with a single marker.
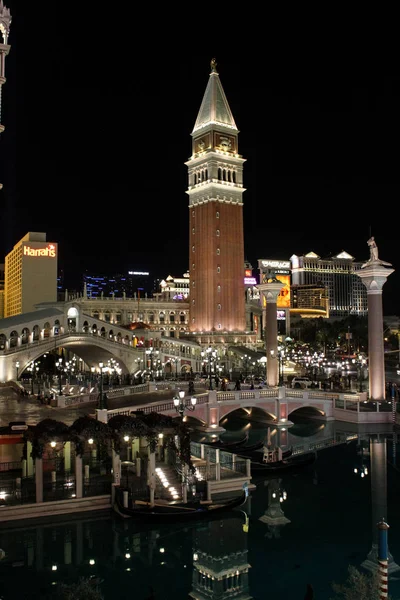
(257, 452)
(229, 446)
(161, 513)
(292, 463)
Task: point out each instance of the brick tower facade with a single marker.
(216, 238)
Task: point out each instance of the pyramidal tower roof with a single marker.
(214, 109)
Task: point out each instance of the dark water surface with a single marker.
(270, 550)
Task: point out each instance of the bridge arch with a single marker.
(14, 339)
(249, 410)
(307, 410)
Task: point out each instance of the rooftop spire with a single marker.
(214, 109)
(5, 22)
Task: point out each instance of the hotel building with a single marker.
(30, 275)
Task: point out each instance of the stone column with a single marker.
(378, 472)
(78, 476)
(39, 479)
(29, 459)
(151, 475)
(270, 290)
(373, 275)
(212, 408)
(116, 466)
(67, 456)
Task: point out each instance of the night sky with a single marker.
(98, 125)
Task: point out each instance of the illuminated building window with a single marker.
(193, 284)
(193, 249)
(219, 307)
(217, 232)
(193, 266)
(219, 326)
(218, 288)
(218, 269)
(193, 230)
(218, 251)
(193, 302)
(217, 215)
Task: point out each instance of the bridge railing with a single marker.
(160, 407)
(62, 336)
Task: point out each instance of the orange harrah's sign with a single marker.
(49, 251)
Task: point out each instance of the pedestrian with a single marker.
(237, 384)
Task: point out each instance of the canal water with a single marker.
(299, 529)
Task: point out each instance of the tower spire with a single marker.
(5, 22)
(216, 237)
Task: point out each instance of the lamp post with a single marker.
(281, 354)
(174, 361)
(210, 355)
(31, 368)
(180, 404)
(17, 367)
(150, 355)
(59, 365)
(92, 371)
(102, 399)
(181, 407)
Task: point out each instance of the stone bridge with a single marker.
(274, 405)
(26, 337)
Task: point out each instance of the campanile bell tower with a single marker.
(216, 238)
(5, 22)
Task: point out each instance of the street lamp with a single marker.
(102, 399)
(17, 367)
(59, 365)
(361, 366)
(211, 355)
(180, 407)
(281, 353)
(150, 355)
(180, 404)
(31, 368)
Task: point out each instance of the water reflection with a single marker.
(220, 562)
(295, 529)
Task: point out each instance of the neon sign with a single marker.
(49, 251)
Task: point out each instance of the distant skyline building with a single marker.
(30, 275)
(346, 293)
(130, 284)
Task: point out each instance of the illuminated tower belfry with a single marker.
(216, 239)
(5, 22)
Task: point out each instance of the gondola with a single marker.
(176, 513)
(292, 463)
(229, 446)
(256, 453)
